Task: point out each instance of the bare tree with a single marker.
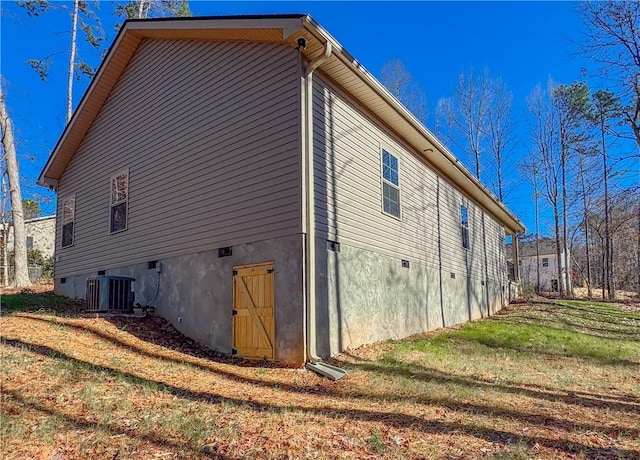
(571, 104)
(605, 109)
(21, 278)
(544, 132)
(84, 18)
(586, 188)
(638, 251)
(500, 131)
(465, 115)
(612, 41)
(397, 79)
(72, 58)
(530, 168)
(4, 221)
(153, 8)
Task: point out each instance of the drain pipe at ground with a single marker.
(313, 361)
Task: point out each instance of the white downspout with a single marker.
(310, 261)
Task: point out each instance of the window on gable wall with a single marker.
(68, 218)
(464, 225)
(390, 184)
(545, 262)
(119, 201)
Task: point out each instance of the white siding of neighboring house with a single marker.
(42, 230)
(528, 273)
(210, 134)
(349, 204)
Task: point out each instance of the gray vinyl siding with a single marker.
(210, 134)
(347, 146)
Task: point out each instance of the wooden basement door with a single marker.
(253, 302)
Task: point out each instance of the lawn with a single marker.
(540, 380)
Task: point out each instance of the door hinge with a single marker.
(235, 272)
(271, 270)
(234, 312)
(234, 351)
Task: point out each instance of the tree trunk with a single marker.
(20, 240)
(5, 231)
(72, 59)
(607, 216)
(142, 12)
(556, 218)
(588, 250)
(566, 281)
(612, 277)
(5, 255)
(535, 198)
(604, 268)
(587, 243)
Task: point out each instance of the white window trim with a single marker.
(384, 181)
(63, 223)
(111, 204)
(468, 226)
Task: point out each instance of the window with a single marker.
(545, 261)
(464, 225)
(68, 217)
(29, 242)
(119, 201)
(390, 184)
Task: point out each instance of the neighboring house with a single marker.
(548, 264)
(269, 196)
(40, 234)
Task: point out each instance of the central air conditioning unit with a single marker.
(110, 293)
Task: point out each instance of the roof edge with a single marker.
(134, 26)
(373, 83)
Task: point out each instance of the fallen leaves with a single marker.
(79, 387)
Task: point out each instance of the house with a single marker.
(40, 233)
(547, 265)
(268, 195)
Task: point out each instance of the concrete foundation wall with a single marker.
(364, 297)
(196, 293)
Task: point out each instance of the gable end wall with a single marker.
(210, 134)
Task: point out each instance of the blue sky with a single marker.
(524, 43)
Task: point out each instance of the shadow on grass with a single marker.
(589, 318)
(563, 324)
(31, 301)
(414, 371)
(390, 367)
(553, 331)
(623, 321)
(596, 307)
(164, 336)
(393, 419)
(111, 429)
(188, 360)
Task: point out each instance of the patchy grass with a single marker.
(36, 299)
(547, 380)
